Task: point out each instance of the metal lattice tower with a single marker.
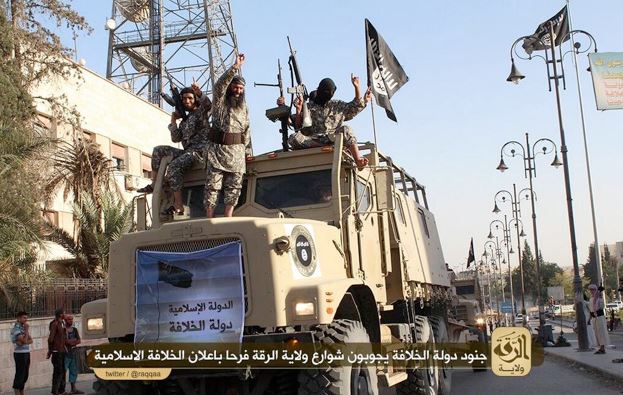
(185, 39)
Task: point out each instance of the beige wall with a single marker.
(40, 367)
(112, 115)
(110, 111)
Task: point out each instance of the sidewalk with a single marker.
(601, 364)
(84, 383)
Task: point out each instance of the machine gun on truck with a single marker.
(282, 112)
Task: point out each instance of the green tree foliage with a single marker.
(549, 271)
(608, 267)
(20, 149)
(30, 53)
(97, 228)
(80, 169)
(36, 44)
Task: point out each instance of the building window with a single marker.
(51, 217)
(88, 136)
(146, 165)
(119, 156)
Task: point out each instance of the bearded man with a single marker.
(328, 117)
(229, 141)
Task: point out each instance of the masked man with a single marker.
(192, 132)
(229, 141)
(328, 117)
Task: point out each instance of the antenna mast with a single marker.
(187, 38)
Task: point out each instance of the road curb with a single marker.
(587, 366)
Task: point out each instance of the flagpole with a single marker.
(588, 168)
(596, 251)
(376, 144)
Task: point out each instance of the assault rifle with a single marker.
(175, 100)
(280, 112)
(299, 89)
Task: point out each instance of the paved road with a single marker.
(552, 377)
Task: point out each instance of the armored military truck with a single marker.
(327, 253)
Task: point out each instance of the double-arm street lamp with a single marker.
(528, 154)
(515, 76)
(491, 265)
(495, 249)
(487, 269)
(509, 250)
(516, 211)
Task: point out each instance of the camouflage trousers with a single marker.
(217, 179)
(182, 161)
(299, 141)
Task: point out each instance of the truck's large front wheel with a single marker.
(340, 380)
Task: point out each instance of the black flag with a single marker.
(470, 256)
(385, 75)
(540, 39)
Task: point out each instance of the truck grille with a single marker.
(198, 245)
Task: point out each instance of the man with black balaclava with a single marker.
(328, 117)
(229, 141)
(192, 132)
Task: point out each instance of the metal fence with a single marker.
(42, 300)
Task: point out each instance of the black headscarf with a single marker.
(324, 92)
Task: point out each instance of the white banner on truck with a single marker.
(190, 297)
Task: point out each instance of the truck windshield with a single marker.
(290, 190)
(193, 198)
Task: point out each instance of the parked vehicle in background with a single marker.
(564, 309)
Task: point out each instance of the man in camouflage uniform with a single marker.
(229, 141)
(328, 117)
(192, 132)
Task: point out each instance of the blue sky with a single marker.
(456, 111)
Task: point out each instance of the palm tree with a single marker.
(97, 227)
(80, 168)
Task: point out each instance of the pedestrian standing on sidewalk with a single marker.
(592, 340)
(598, 318)
(20, 337)
(57, 350)
(73, 339)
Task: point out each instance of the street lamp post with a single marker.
(528, 154)
(488, 271)
(515, 77)
(506, 239)
(497, 301)
(516, 211)
(494, 247)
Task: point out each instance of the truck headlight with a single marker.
(480, 321)
(95, 324)
(305, 308)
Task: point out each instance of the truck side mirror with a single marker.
(383, 180)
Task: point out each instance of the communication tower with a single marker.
(150, 40)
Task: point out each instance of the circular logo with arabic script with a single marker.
(304, 251)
